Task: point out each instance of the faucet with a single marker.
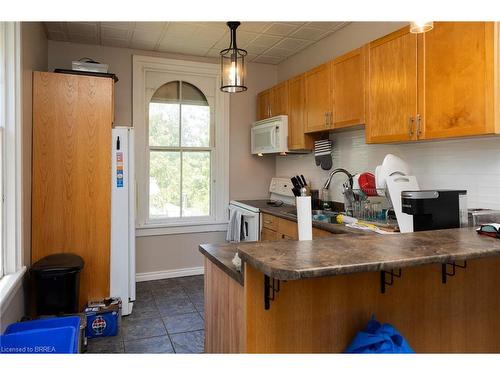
(335, 171)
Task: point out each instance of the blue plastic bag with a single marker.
(379, 338)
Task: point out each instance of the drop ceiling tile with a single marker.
(266, 40)
(279, 52)
(87, 39)
(214, 52)
(142, 44)
(115, 42)
(119, 25)
(280, 29)
(308, 33)
(115, 33)
(57, 35)
(267, 59)
(82, 28)
(151, 27)
(252, 48)
(55, 26)
(256, 27)
(146, 36)
(293, 44)
(326, 25)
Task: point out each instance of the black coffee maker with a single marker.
(434, 209)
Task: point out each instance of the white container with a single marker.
(89, 67)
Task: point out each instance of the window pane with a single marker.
(163, 124)
(195, 126)
(196, 183)
(164, 184)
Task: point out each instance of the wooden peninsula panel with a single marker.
(224, 312)
(71, 176)
(322, 315)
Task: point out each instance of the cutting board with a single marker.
(395, 185)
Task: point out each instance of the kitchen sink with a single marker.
(329, 214)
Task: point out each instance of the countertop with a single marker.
(344, 253)
(222, 255)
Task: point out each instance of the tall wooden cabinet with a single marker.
(71, 175)
(264, 104)
(297, 139)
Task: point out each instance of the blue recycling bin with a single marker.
(42, 336)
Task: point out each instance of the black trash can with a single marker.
(56, 284)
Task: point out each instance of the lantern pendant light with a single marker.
(232, 64)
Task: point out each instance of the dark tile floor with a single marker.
(167, 318)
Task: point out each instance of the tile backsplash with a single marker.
(472, 164)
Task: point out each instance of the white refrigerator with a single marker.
(122, 280)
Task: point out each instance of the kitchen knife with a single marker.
(295, 183)
(303, 180)
(296, 192)
(301, 185)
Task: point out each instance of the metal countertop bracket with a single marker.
(454, 265)
(384, 281)
(271, 289)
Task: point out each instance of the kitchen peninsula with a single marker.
(438, 288)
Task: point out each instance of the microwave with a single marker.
(270, 136)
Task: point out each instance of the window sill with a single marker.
(9, 284)
(180, 228)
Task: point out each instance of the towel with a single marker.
(234, 225)
(323, 153)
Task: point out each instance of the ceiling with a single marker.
(266, 42)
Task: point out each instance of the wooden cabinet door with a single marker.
(71, 174)
(348, 89)
(392, 88)
(279, 99)
(458, 80)
(318, 98)
(268, 235)
(297, 139)
(263, 105)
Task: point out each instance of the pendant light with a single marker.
(232, 64)
(419, 27)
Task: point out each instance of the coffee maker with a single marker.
(435, 209)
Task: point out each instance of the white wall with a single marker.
(472, 164)
(249, 175)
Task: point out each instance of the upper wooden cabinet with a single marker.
(348, 89)
(297, 139)
(279, 99)
(263, 105)
(392, 87)
(457, 80)
(318, 86)
(440, 84)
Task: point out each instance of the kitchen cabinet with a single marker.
(458, 80)
(263, 105)
(318, 86)
(348, 82)
(275, 229)
(297, 139)
(273, 102)
(392, 87)
(440, 84)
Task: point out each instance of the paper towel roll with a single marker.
(304, 218)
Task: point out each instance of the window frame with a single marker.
(219, 147)
(10, 121)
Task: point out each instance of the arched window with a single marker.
(180, 152)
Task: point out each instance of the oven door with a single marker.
(264, 139)
(250, 224)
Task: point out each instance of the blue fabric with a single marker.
(379, 338)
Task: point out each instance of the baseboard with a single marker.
(168, 274)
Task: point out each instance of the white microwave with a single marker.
(270, 136)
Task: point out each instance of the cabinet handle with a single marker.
(419, 128)
(267, 222)
(270, 111)
(410, 125)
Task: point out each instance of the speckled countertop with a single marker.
(344, 253)
(222, 256)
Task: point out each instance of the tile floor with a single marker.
(167, 318)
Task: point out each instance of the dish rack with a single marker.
(367, 204)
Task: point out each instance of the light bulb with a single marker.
(418, 27)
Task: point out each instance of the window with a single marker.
(180, 152)
(181, 122)
(10, 158)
